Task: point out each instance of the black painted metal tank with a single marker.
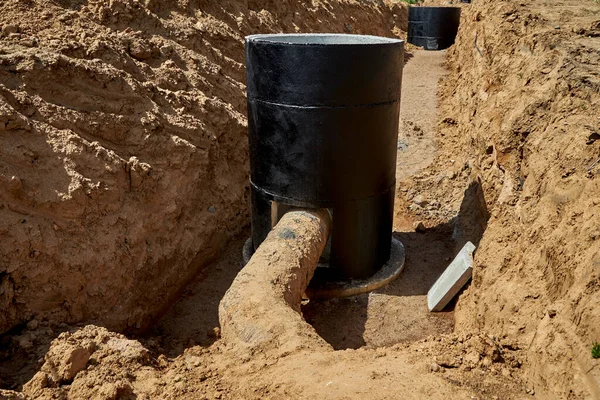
(434, 28)
(323, 113)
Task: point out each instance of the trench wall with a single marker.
(522, 104)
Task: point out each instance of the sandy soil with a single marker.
(395, 354)
(512, 167)
(519, 118)
(419, 111)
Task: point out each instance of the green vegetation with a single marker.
(596, 350)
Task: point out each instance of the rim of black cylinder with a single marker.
(312, 39)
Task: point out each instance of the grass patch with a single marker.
(596, 350)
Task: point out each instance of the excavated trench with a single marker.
(521, 92)
(393, 314)
(389, 316)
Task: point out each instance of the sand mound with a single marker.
(91, 363)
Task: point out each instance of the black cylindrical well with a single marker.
(434, 28)
(323, 114)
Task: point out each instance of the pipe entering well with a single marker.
(323, 113)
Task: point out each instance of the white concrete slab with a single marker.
(452, 279)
